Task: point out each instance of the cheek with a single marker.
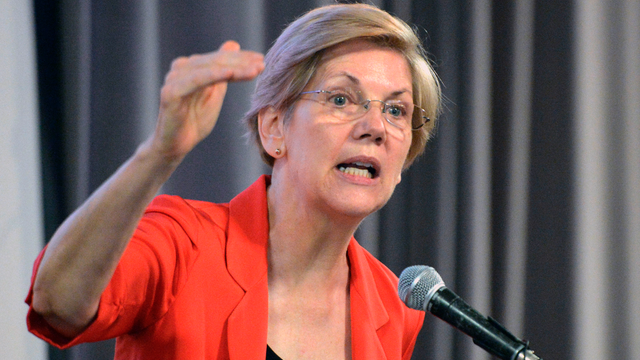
(323, 140)
(399, 159)
(308, 146)
(403, 150)
(408, 145)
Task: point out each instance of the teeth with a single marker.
(355, 171)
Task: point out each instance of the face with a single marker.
(348, 168)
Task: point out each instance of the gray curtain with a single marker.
(527, 201)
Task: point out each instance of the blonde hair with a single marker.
(295, 56)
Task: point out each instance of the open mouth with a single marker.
(357, 168)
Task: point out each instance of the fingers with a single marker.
(230, 45)
(243, 64)
(193, 93)
(183, 82)
(229, 63)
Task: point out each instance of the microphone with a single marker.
(421, 288)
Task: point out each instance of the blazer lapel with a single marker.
(247, 244)
(368, 313)
(248, 324)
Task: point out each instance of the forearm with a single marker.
(84, 252)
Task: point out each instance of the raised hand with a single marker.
(192, 96)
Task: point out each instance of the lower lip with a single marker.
(360, 180)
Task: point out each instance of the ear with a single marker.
(271, 129)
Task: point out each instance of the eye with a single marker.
(396, 110)
(338, 100)
(342, 97)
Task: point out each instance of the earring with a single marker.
(278, 151)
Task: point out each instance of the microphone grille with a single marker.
(417, 284)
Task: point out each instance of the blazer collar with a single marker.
(248, 234)
(368, 313)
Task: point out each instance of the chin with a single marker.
(356, 208)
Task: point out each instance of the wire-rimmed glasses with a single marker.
(348, 104)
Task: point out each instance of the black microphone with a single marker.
(421, 288)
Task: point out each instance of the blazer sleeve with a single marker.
(151, 272)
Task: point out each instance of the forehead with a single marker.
(364, 63)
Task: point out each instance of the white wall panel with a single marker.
(21, 229)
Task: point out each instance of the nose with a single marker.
(367, 104)
(372, 125)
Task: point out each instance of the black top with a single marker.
(271, 355)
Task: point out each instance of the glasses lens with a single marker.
(397, 113)
(348, 104)
(343, 102)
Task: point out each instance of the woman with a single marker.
(277, 267)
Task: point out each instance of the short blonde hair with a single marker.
(295, 56)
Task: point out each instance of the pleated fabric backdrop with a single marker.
(527, 201)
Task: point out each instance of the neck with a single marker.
(306, 245)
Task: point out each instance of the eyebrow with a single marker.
(356, 81)
(352, 78)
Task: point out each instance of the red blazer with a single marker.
(192, 284)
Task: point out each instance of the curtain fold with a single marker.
(607, 137)
(527, 200)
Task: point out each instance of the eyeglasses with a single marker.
(348, 104)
